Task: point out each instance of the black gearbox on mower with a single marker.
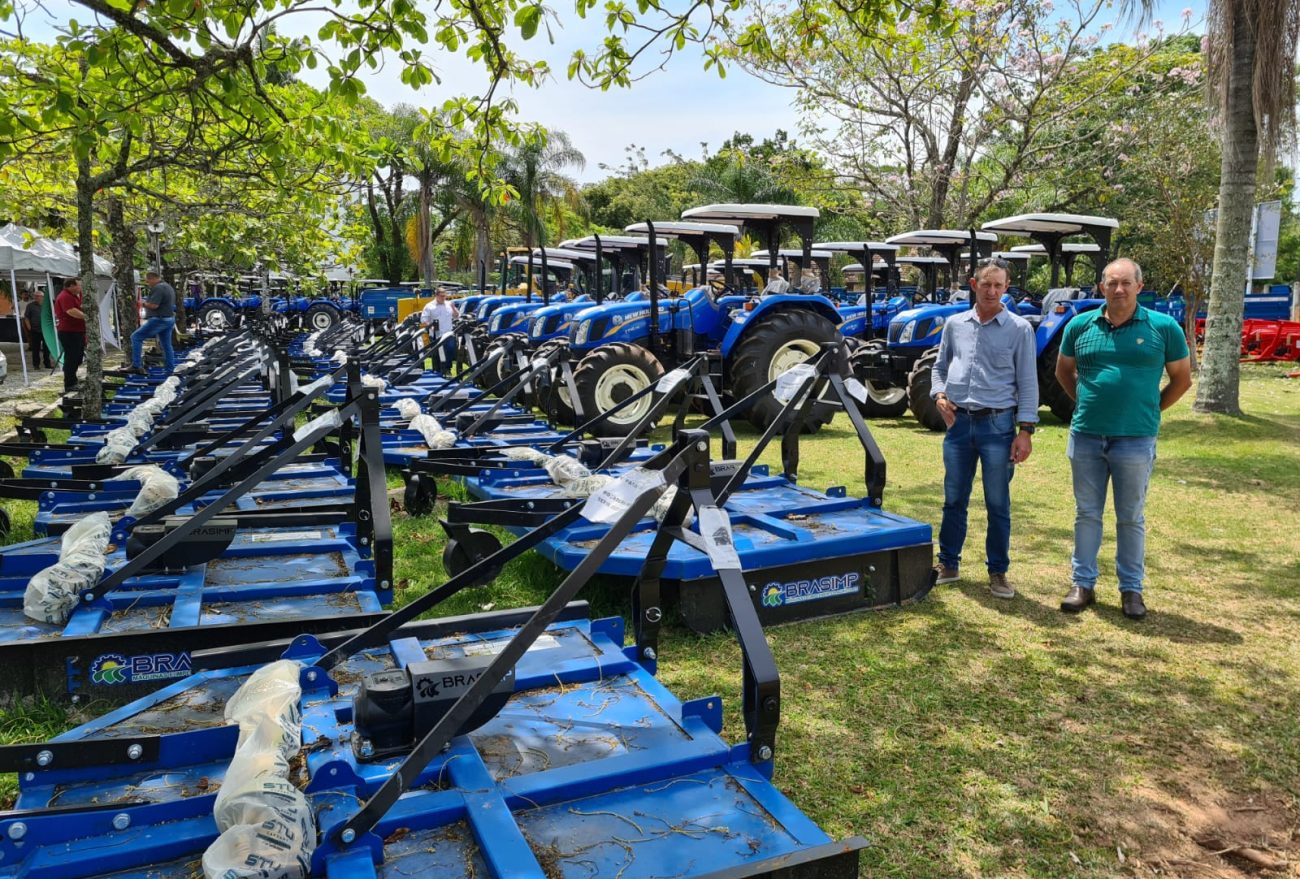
(394, 709)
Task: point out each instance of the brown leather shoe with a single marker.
(1134, 607)
(1078, 598)
(945, 574)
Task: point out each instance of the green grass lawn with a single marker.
(971, 737)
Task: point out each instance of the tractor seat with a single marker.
(1058, 294)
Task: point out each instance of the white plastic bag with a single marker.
(562, 469)
(275, 842)
(139, 421)
(157, 488)
(340, 357)
(267, 828)
(407, 408)
(526, 453)
(118, 446)
(53, 593)
(371, 381)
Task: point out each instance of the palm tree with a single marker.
(1251, 64)
(535, 169)
(733, 177)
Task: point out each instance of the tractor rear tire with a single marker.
(609, 375)
(772, 347)
(217, 316)
(925, 409)
(882, 401)
(1050, 392)
(321, 317)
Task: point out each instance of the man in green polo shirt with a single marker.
(1111, 362)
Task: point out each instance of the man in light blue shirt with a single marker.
(985, 383)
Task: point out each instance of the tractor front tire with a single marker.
(321, 317)
(217, 316)
(883, 401)
(925, 409)
(609, 375)
(779, 341)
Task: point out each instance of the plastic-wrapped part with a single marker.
(526, 453)
(267, 828)
(275, 843)
(157, 488)
(271, 692)
(118, 446)
(407, 408)
(585, 486)
(139, 421)
(340, 357)
(53, 593)
(562, 469)
(427, 427)
(372, 381)
(442, 439)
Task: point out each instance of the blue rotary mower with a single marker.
(528, 743)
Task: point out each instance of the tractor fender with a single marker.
(1053, 324)
(742, 320)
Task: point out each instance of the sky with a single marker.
(674, 109)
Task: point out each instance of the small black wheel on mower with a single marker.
(459, 555)
(321, 316)
(779, 341)
(217, 316)
(918, 392)
(6, 471)
(1050, 392)
(420, 494)
(883, 401)
(609, 375)
(6, 525)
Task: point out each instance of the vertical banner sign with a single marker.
(1268, 222)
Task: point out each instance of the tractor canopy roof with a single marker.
(607, 242)
(792, 252)
(855, 268)
(937, 237)
(921, 261)
(741, 213)
(550, 263)
(1062, 224)
(1025, 251)
(562, 253)
(855, 246)
(675, 228)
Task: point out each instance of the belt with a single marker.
(983, 413)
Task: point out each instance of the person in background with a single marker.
(1111, 363)
(985, 384)
(160, 305)
(32, 329)
(439, 317)
(70, 324)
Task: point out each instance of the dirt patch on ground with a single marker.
(1194, 832)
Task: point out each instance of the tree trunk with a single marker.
(92, 389)
(1218, 385)
(482, 244)
(124, 241)
(424, 230)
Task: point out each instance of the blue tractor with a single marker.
(890, 367)
(914, 334)
(621, 348)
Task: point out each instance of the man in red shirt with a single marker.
(70, 322)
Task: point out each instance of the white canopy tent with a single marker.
(27, 255)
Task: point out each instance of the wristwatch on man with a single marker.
(1028, 427)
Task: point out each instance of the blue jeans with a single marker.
(1125, 462)
(154, 326)
(985, 440)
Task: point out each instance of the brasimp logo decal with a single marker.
(114, 668)
(778, 594)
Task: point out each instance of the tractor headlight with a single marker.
(908, 329)
(584, 329)
(535, 327)
(496, 322)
